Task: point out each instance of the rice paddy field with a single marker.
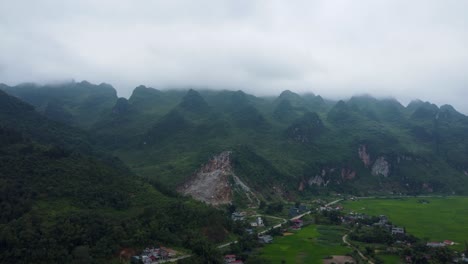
(309, 245)
(435, 219)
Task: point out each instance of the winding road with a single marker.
(271, 228)
(345, 240)
(279, 225)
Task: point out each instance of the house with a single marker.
(295, 228)
(249, 231)
(398, 230)
(238, 216)
(167, 252)
(435, 244)
(383, 220)
(449, 243)
(464, 258)
(145, 259)
(293, 211)
(229, 259)
(266, 239)
(259, 221)
(232, 259)
(297, 222)
(353, 217)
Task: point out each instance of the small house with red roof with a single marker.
(449, 242)
(297, 222)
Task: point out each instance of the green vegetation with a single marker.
(435, 219)
(390, 259)
(309, 245)
(63, 201)
(62, 187)
(282, 142)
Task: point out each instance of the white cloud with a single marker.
(336, 48)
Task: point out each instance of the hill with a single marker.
(64, 201)
(289, 146)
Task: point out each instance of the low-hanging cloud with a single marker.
(336, 48)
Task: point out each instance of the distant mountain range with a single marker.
(282, 147)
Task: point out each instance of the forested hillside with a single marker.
(64, 201)
(294, 144)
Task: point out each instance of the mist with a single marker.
(403, 49)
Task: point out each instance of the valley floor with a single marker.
(431, 218)
(309, 245)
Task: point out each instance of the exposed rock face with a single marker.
(301, 186)
(381, 167)
(364, 156)
(318, 180)
(333, 176)
(211, 184)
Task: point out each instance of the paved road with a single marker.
(401, 196)
(227, 244)
(279, 225)
(334, 202)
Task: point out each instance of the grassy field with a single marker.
(309, 245)
(390, 259)
(438, 220)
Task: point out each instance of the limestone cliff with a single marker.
(364, 155)
(381, 167)
(332, 176)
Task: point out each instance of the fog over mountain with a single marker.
(404, 49)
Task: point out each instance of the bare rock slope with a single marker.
(215, 182)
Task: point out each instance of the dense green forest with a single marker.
(84, 173)
(299, 144)
(64, 201)
(305, 140)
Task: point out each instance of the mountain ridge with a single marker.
(305, 139)
(64, 201)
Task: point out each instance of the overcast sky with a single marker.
(406, 49)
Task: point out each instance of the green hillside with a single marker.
(308, 145)
(64, 201)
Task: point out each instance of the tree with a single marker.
(262, 205)
(81, 255)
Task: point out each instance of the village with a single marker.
(154, 255)
(366, 235)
